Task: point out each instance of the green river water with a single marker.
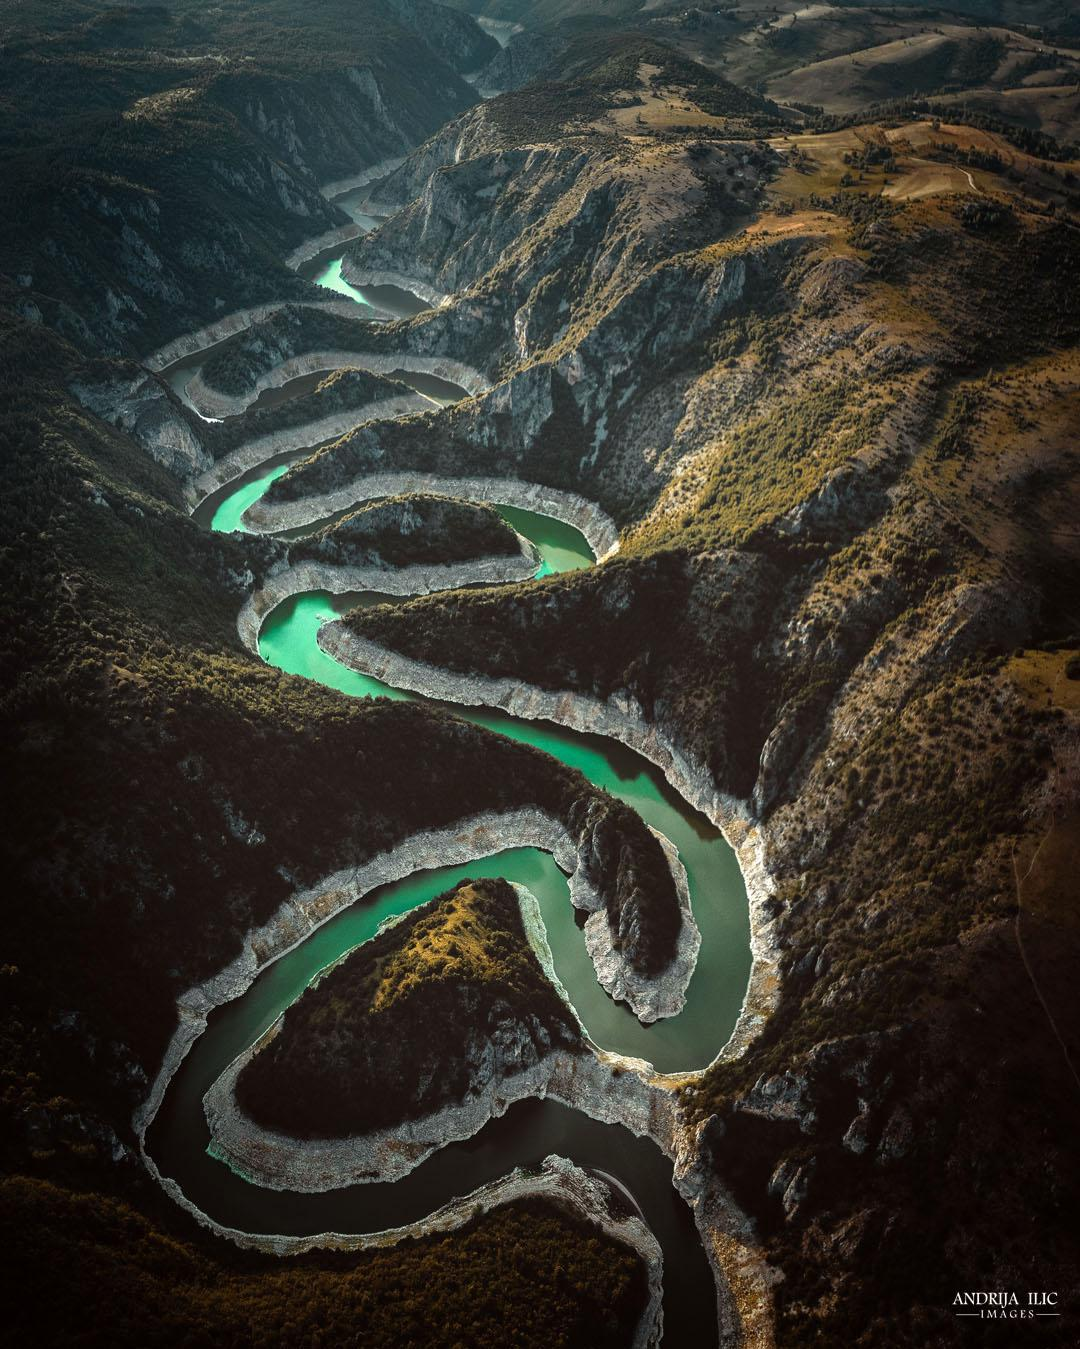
(179, 1138)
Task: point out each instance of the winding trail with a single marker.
(177, 1142)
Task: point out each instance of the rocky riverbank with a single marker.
(367, 276)
(608, 1087)
(559, 1182)
(651, 998)
(190, 344)
(302, 437)
(295, 579)
(311, 248)
(310, 1165)
(373, 174)
(211, 402)
(594, 523)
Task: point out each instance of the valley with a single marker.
(542, 600)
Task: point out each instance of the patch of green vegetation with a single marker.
(356, 1052)
(953, 438)
(530, 1265)
(772, 463)
(976, 63)
(544, 112)
(896, 111)
(598, 65)
(1002, 284)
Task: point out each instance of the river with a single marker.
(178, 1139)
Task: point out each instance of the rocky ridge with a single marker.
(598, 529)
(515, 1059)
(285, 579)
(822, 562)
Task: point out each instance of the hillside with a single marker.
(410, 531)
(122, 649)
(355, 1053)
(844, 560)
(1018, 62)
(530, 1263)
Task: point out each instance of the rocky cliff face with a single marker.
(572, 414)
(632, 879)
(204, 455)
(139, 262)
(299, 339)
(342, 391)
(339, 123)
(553, 231)
(524, 58)
(144, 408)
(562, 278)
(450, 35)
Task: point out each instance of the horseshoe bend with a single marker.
(542, 681)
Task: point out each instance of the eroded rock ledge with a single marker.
(190, 344)
(211, 402)
(601, 534)
(285, 580)
(651, 998)
(303, 437)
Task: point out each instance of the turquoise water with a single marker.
(330, 278)
(226, 518)
(562, 547)
(690, 1040)
(289, 641)
(179, 1137)
(325, 271)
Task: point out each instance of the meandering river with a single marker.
(179, 1138)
